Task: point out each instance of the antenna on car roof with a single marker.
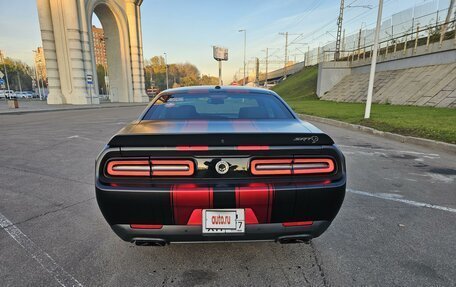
(218, 87)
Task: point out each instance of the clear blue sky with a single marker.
(186, 30)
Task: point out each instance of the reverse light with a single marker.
(291, 166)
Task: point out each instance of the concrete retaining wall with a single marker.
(423, 86)
(426, 76)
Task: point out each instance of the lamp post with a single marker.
(370, 88)
(245, 45)
(166, 66)
(37, 79)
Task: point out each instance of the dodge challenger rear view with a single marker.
(219, 164)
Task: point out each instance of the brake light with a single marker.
(291, 166)
(146, 168)
(271, 166)
(313, 165)
(128, 168)
(172, 167)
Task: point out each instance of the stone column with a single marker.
(137, 65)
(47, 35)
(63, 52)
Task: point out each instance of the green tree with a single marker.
(19, 74)
(101, 80)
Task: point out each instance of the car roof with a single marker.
(207, 89)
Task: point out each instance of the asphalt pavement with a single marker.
(396, 226)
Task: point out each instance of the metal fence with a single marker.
(420, 25)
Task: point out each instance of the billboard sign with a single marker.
(220, 53)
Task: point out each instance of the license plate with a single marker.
(216, 221)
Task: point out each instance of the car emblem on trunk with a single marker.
(222, 167)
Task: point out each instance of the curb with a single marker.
(72, 109)
(397, 137)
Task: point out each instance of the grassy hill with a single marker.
(299, 90)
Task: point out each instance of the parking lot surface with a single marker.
(396, 226)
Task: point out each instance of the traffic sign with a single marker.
(89, 79)
(1, 74)
(2, 81)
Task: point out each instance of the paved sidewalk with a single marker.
(32, 106)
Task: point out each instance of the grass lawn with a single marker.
(425, 122)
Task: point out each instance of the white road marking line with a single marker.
(73, 137)
(406, 201)
(46, 261)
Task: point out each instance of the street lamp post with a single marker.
(245, 45)
(370, 88)
(37, 79)
(166, 66)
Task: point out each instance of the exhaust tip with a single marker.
(150, 242)
(296, 239)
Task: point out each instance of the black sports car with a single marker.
(219, 164)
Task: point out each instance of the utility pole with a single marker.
(220, 73)
(286, 55)
(38, 82)
(245, 46)
(447, 20)
(339, 30)
(6, 72)
(257, 72)
(19, 80)
(370, 88)
(266, 78)
(166, 66)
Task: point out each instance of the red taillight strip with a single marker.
(128, 168)
(172, 167)
(291, 166)
(259, 166)
(146, 226)
(313, 165)
(297, 223)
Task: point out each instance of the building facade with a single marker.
(40, 64)
(99, 46)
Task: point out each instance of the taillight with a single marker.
(128, 168)
(291, 166)
(172, 167)
(146, 168)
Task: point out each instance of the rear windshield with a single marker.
(218, 106)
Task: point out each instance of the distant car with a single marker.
(23, 95)
(9, 94)
(219, 164)
(31, 94)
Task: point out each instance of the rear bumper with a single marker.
(253, 232)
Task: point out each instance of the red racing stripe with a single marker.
(258, 197)
(244, 126)
(187, 197)
(197, 126)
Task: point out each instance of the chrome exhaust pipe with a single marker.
(150, 242)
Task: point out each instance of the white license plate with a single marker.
(223, 221)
